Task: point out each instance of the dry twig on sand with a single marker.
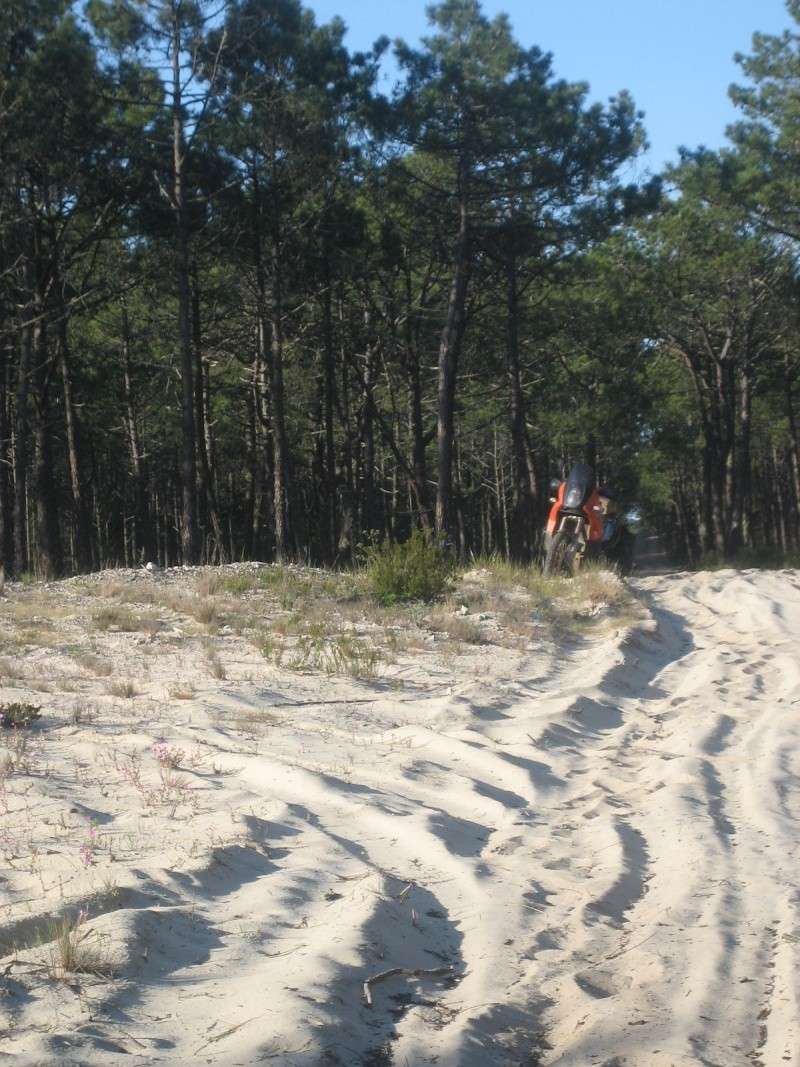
(407, 972)
(223, 1033)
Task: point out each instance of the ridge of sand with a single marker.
(600, 840)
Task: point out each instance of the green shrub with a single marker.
(417, 569)
(14, 715)
(238, 583)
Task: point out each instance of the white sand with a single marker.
(602, 843)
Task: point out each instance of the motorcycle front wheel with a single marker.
(563, 555)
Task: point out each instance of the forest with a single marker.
(252, 306)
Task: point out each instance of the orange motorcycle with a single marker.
(584, 523)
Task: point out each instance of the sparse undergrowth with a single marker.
(20, 714)
(114, 617)
(340, 654)
(562, 605)
(405, 600)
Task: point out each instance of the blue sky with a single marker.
(675, 56)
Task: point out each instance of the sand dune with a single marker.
(599, 841)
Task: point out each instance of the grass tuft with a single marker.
(75, 950)
(123, 688)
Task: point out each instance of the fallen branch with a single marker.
(407, 972)
(321, 703)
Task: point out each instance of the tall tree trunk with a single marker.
(21, 442)
(682, 514)
(417, 426)
(794, 447)
(83, 541)
(329, 371)
(731, 532)
(280, 445)
(711, 503)
(419, 463)
(449, 346)
(369, 514)
(742, 488)
(189, 528)
(502, 500)
(347, 524)
(779, 501)
(50, 556)
(6, 495)
(522, 534)
(257, 451)
(715, 462)
(209, 454)
(259, 421)
(146, 541)
(205, 480)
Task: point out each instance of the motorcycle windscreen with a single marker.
(580, 483)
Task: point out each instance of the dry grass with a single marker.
(124, 592)
(321, 622)
(457, 627)
(341, 654)
(473, 597)
(599, 586)
(39, 685)
(38, 636)
(250, 720)
(209, 584)
(205, 612)
(216, 668)
(123, 688)
(271, 648)
(90, 661)
(403, 640)
(114, 617)
(74, 949)
(353, 656)
(11, 670)
(67, 683)
(85, 712)
(20, 755)
(192, 605)
(42, 610)
(9, 644)
(526, 602)
(182, 691)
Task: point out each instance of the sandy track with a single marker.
(602, 844)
